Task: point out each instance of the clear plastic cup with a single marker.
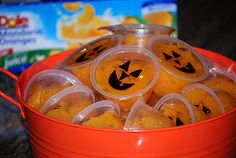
(125, 73)
(45, 84)
(142, 116)
(227, 100)
(68, 102)
(138, 34)
(72, 98)
(102, 114)
(223, 82)
(206, 104)
(177, 108)
(80, 60)
(181, 64)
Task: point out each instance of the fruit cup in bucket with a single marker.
(79, 62)
(177, 108)
(102, 114)
(204, 101)
(142, 116)
(125, 73)
(45, 84)
(181, 64)
(226, 90)
(138, 34)
(65, 104)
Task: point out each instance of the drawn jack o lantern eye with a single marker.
(90, 51)
(117, 83)
(188, 68)
(203, 108)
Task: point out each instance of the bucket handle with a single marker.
(5, 96)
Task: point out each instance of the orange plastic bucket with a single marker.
(215, 137)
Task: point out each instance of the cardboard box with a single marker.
(31, 32)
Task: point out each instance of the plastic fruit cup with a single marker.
(125, 73)
(181, 65)
(45, 84)
(65, 104)
(177, 108)
(80, 60)
(138, 34)
(102, 114)
(204, 101)
(142, 116)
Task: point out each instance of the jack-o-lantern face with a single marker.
(188, 68)
(203, 108)
(123, 77)
(117, 83)
(203, 101)
(178, 59)
(125, 73)
(177, 113)
(90, 51)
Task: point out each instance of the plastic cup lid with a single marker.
(176, 96)
(125, 56)
(178, 58)
(60, 75)
(139, 29)
(86, 113)
(208, 90)
(86, 54)
(69, 90)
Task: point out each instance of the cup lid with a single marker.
(120, 72)
(139, 29)
(86, 54)
(178, 58)
(89, 111)
(173, 97)
(53, 76)
(65, 92)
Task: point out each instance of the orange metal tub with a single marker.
(213, 138)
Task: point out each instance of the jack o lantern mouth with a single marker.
(187, 69)
(82, 58)
(117, 83)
